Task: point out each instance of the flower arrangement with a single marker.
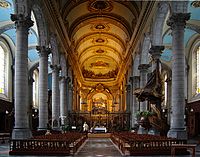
(144, 114)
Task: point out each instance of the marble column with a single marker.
(55, 97)
(143, 80)
(135, 105)
(177, 21)
(21, 129)
(43, 87)
(63, 101)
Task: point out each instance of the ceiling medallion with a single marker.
(196, 4)
(99, 6)
(100, 40)
(100, 27)
(100, 51)
(4, 4)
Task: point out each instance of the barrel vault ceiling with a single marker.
(98, 34)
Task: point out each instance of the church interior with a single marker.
(129, 69)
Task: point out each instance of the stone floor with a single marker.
(98, 147)
(95, 147)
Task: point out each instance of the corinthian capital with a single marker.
(43, 51)
(156, 51)
(178, 19)
(21, 20)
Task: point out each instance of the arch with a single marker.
(6, 72)
(93, 92)
(41, 23)
(136, 63)
(194, 44)
(33, 66)
(54, 49)
(145, 49)
(6, 26)
(161, 14)
(63, 65)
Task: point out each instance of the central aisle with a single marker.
(98, 147)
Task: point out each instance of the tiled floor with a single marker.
(94, 147)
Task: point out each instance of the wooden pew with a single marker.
(183, 146)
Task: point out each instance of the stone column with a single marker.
(143, 80)
(168, 103)
(69, 107)
(63, 101)
(120, 100)
(55, 97)
(128, 98)
(30, 97)
(21, 129)
(177, 128)
(135, 104)
(43, 87)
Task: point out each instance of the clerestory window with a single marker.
(198, 70)
(2, 70)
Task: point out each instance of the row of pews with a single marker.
(52, 144)
(143, 144)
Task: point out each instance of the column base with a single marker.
(21, 133)
(178, 134)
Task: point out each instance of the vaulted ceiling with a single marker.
(99, 32)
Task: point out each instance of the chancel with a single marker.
(129, 69)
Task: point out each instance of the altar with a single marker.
(99, 130)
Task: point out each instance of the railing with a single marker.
(45, 146)
(131, 146)
(4, 137)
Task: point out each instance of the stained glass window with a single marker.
(2, 70)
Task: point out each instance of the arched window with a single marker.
(2, 70)
(35, 88)
(198, 70)
(5, 70)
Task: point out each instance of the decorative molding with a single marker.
(195, 4)
(4, 4)
(100, 6)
